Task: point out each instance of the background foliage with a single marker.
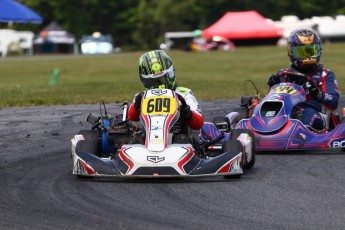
(141, 24)
(85, 79)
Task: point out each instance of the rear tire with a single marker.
(235, 133)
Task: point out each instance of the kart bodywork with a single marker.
(276, 130)
(113, 148)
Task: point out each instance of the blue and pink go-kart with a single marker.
(274, 125)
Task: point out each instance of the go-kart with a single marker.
(276, 128)
(157, 146)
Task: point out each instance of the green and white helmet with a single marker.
(156, 70)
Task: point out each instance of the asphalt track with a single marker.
(37, 190)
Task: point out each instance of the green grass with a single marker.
(114, 78)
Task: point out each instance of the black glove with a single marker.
(272, 80)
(185, 112)
(313, 90)
(137, 101)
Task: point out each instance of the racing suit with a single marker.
(195, 122)
(311, 109)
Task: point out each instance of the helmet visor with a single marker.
(311, 51)
(158, 80)
(169, 72)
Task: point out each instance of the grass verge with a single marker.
(85, 79)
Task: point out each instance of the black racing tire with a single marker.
(232, 146)
(235, 133)
(241, 115)
(82, 177)
(242, 111)
(91, 144)
(238, 176)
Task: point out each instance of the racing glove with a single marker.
(185, 112)
(313, 91)
(272, 80)
(137, 101)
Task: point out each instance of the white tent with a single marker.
(290, 23)
(326, 26)
(24, 39)
(169, 36)
(329, 27)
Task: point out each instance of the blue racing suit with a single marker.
(311, 109)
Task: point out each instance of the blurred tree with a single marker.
(141, 24)
(87, 16)
(155, 17)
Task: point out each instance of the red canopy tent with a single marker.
(243, 25)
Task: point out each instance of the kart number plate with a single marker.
(159, 105)
(285, 90)
(270, 113)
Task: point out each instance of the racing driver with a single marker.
(304, 50)
(156, 70)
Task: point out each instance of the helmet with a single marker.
(304, 50)
(156, 70)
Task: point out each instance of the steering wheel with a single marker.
(297, 78)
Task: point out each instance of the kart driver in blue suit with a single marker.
(304, 50)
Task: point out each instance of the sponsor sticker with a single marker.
(156, 141)
(337, 143)
(274, 97)
(155, 159)
(270, 113)
(158, 92)
(285, 89)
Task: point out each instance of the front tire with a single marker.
(238, 176)
(235, 117)
(232, 146)
(235, 133)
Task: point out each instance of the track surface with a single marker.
(38, 191)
